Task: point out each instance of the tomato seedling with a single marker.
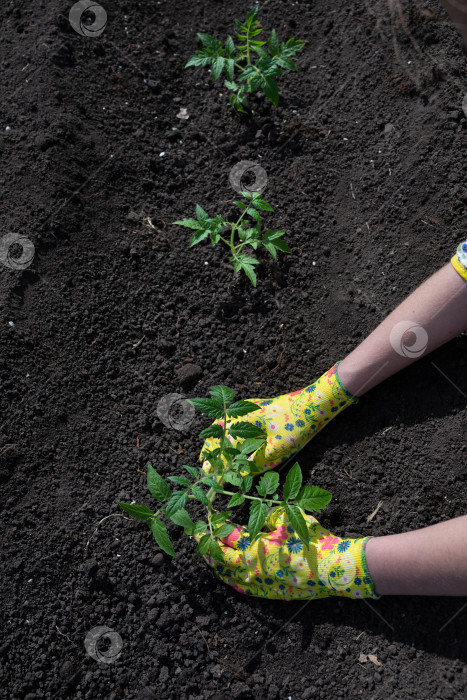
(250, 65)
(236, 235)
(230, 478)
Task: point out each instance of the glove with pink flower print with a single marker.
(277, 565)
(290, 420)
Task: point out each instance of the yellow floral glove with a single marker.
(290, 420)
(277, 565)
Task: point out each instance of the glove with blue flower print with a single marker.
(277, 565)
(290, 420)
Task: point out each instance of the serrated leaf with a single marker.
(270, 248)
(180, 480)
(232, 478)
(224, 530)
(220, 518)
(211, 408)
(271, 90)
(247, 483)
(213, 431)
(313, 498)
(293, 482)
(141, 512)
(222, 393)
(210, 42)
(258, 515)
(158, 488)
(182, 518)
(217, 66)
(203, 544)
(298, 523)
(201, 215)
(229, 46)
(189, 223)
(178, 501)
(215, 551)
(200, 495)
(251, 445)
(281, 245)
(244, 429)
(161, 536)
(198, 237)
(273, 43)
(212, 483)
(199, 528)
(229, 68)
(268, 483)
(241, 408)
(236, 500)
(191, 470)
(262, 204)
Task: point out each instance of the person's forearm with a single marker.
(431, 561)
(433, 314)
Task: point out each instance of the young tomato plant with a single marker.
(230, 478)
(251, 65)
(246, 231)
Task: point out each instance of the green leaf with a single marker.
(217, 66)
(313, 498)
(233, 478)
(298, 523)
(212, 483)
(214, 431)
(182, 518)
(224, 530)
(198, 529)
(244, 429)
(286, 62)
(261, 204)
(236, 500)
(141, 512)
(177, 502)
(281, 245)
(161, 536)
(189, 223)
(258, 515)
(293, 482)
(198, 237)
(241, 408)
(211, 408)
(191, 470)
(201, 215)
(250, 445)
(270, 248)
(180, 480)
(203, 544)
(210, 42)
(215, 551)
(247, 483)
(222, 393)
(158, 488)
(200, 58)
(271, 90)
(220, 518)
(200, 495)
(273, 43)
(229, 68)
(231, 85)
(272, 234)
(268, 483)
(229, 47)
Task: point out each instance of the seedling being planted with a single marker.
(230, 478)
(249, 65)
(246, 231)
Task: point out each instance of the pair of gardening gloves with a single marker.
(276, 564)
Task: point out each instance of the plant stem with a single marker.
(251, 498)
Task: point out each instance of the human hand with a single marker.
(290, 420)
(277, 565)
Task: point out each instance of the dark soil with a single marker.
(365, 158)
